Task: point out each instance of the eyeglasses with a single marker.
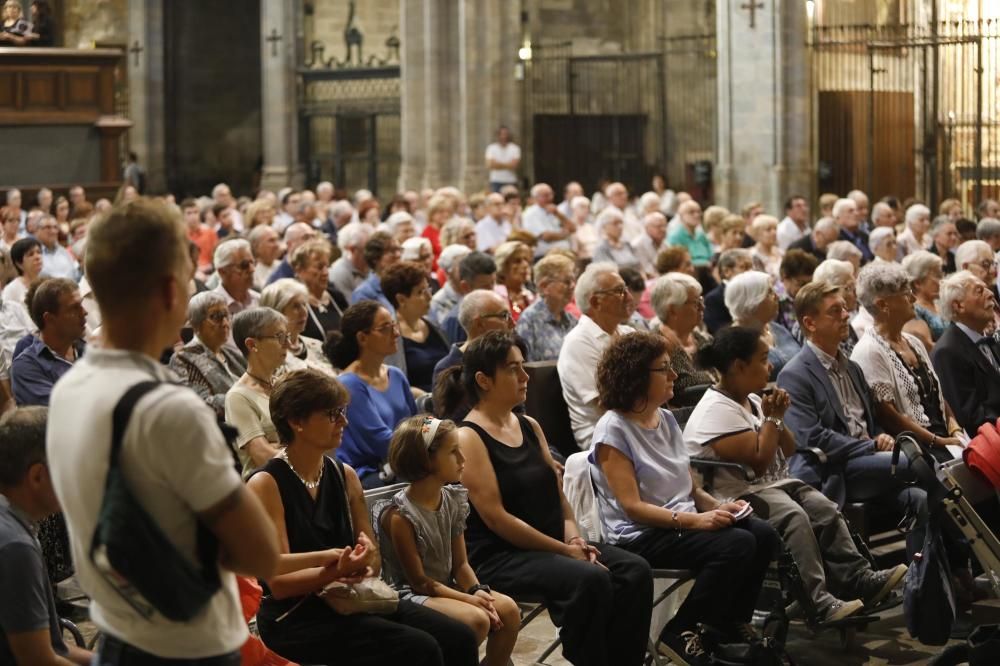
(986, 264)
(218, 317)
(502, 316)
(385, 328)
(244, 265)
(614, 291)
(665, 369)
(337, 413)
(49, 226)
(698, 301)
(283, 338)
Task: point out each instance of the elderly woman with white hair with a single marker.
(291, 298)
(311, 263)
(905, 388)
(752, 301)
(513, 260)
(401, 225)
(926, 270)
(680, 309)
(610, 226)
(882, 243)
(764, 230)
(206, 363)
(419, 249)
(915, 237)
(449, 295)
(459, 230)
(585, 238)
(845, 251)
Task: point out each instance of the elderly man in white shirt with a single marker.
(543, 219)
(795, 224)
(493, 229)
(648, 245)
(235, 264)
(605, 302)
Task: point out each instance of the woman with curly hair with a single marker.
(650, 505)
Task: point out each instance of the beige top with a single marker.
(249, 412)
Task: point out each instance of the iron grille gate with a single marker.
(909, 110)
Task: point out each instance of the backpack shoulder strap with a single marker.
(123, 413)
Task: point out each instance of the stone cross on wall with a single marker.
(753, 6)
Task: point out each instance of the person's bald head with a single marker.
(484, 310)
(542, 194)
(617, 195)
(296, 234)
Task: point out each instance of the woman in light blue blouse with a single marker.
(380, 394)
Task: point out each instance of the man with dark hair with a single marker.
(795, 225)
(796, 271)
(29, 625)
(57, 310)
(477, 270)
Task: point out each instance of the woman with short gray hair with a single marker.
(905, 387)
(752, 301)
(262, 336)
(206, 363)
(679, 306)
(882, 243)
(926, 270)
(612, 247)
(915, 237)
(291, 298)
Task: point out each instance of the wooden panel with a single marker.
(41, 90)
(82, 89)
(844, 136)
(8, 90)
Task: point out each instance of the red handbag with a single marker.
(982, 455)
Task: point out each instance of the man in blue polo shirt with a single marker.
(29, 625)
(39, 361)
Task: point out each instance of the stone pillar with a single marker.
(412, 86)
(146, 85)
(473, 54)
(279, 100)
(764, 86)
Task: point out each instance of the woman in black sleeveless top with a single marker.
(327, 537)
(522, 537)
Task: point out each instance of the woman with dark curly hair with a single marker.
(522, 536)
(380, 393)
(650, 505)
(405, 285)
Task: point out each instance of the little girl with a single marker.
(426, 524)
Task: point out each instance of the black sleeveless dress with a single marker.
(528, 491)
(311, 525)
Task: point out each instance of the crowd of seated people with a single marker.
(327, 330)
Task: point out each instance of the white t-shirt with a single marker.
(717, 416)
(506, 155)
(577, 366)
(490, 233)
(789, 232)
(176, 463)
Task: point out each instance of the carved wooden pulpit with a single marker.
(58, 122)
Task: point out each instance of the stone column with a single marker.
(473, 88)
(145, 86)
(764, 86)
(279, 101)
(412, 88)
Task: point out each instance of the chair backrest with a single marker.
(578, 486)
(375, 494)
(545, 403)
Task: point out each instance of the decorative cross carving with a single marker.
(274, 38)
(135, 51)
(753, 6)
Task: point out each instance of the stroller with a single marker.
(953, 491)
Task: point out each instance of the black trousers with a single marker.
(315, 634)
(729, 563)
(603, 614)
(113, 652)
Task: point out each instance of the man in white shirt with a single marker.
(502, 159)
(494, 228)
(173, 456)
(543, 219)
(605, 302)
(796, 222)
(648, 245)
(235, 264)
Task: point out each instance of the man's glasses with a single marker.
(502, 316)
(337, 413)
(245, 265)
(614, 291)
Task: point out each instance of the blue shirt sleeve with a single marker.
(25, 603)
(29, 381)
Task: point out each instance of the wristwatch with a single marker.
(778, 423)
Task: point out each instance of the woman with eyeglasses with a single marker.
(311, 263)
(753, 303)
(513, 274)
(206, 363)
(380, 393)
(291, 298)
(405, 285)
(318, 507)
(680, 307)
(262, 336)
